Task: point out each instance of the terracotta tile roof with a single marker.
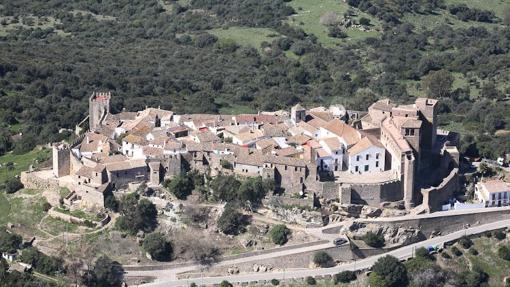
(322, 153)
(207, 136)
(152, 151)
(383, 105)
(88, 172)
(93, 142)
(125, 165)
(249, 136)
(496, 186)
(396, 136)
(256, 118)
(332, 143)
(406, 122)
(343, 130)
(325, 116)
(281, 160)
(275, 130)
(265, 143)
(298, 139)
(307, 126)
(288, 151)
(317, 123)
(113, 158)
(363, 144)
(135, 139)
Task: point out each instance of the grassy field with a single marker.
(20, 162)
(245, 36)
(309, 14)
(24, 210)
(57, 226)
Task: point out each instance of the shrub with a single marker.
(322, 259)
(12, 185)
(310, 280)
(344, 277)
(456, 251)
(225, 164)
(473, 251)
(373, 240)
(225, 283)
(364, 21)
(445, 255)
(279, 234)
(275, 282)
(422, 252)
(180, 186)
(465, 242)
(157, 246)
(499, 234)
(504, 253)
(388, 271)
(46, 206)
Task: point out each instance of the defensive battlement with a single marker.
(101, 96)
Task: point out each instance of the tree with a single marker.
(41, 262)
(310, 280)
(9, 242)
(504, 252)
(465, 242)
(181, 186)
(364, 21)
(344, 277)
(137, 214)
(231, 221)
(322, 259)
(12, 185)
(499, 234)
(279, 234)
(438, 84)
(373, 240)
(225, 283)
(157, 246)
(388, 271)
(108, 273)
(225, 187)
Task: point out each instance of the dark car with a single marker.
(339, 241)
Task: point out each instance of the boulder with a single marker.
(368, 211)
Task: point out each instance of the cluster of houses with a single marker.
(299, 150)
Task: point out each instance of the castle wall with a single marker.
(435, 197)
(122, 178)
(32, 180)
(375, 194)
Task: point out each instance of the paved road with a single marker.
(171, 274)
(401, 253)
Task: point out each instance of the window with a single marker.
(356, 168)
(357, 158)
(376, 164)
(412, 132)
(366, 167)
(285, 167)
(368, 156)
(300, 180)
(377, 156)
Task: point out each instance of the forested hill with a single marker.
(234, 56)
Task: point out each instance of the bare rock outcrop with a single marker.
(393, 235)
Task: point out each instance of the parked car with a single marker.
(339, 241)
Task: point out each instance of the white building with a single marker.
(330, 156)
(493, 193)
(367, 155)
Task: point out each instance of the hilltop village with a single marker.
(320, 155)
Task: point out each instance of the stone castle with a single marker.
(328, 154)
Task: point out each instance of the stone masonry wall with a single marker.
(33, 181)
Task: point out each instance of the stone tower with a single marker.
(99, 108)
(61, 160)
(297, 113)
(428, 114)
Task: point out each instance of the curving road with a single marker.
(401, 253)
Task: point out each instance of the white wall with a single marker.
(132, 150)
(362, 161)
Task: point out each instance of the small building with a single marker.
(9, 256)
(367, 155)
(493, 193)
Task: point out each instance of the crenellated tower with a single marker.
(99, 108)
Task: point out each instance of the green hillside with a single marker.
(196, 56)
